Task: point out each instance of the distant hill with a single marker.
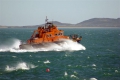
(100, 22)
(94, 22)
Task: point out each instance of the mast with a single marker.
(46, 21)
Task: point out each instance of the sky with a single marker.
(34, 12)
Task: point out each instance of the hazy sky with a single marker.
(34, 12)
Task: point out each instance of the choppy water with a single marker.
(96, 58)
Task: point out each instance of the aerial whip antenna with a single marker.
(46, 20)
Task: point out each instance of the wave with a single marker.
(12, 45)
(21, 65)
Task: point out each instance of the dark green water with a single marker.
(99, 61)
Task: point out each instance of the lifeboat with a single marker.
(44, 35)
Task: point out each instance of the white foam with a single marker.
(22, 65)
(46, 62)
(14, 56)
(75, 72)
(116, 71)
(13, 46)
(72, 76)
(93, 79)
(65, 73)
(38, 61)
(94, 65)
(71, 45)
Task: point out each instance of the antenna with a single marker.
(46, 20)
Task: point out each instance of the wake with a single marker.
(12, 45)
(9, 45)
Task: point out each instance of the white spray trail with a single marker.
(10, 44)
(13, 46)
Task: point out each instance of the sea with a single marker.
(96, 57)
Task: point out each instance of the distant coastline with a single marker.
(94, 22)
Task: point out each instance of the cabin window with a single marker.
(56, 34)
(61, 33)
(50, 35)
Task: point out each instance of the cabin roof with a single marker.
(49, 23)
